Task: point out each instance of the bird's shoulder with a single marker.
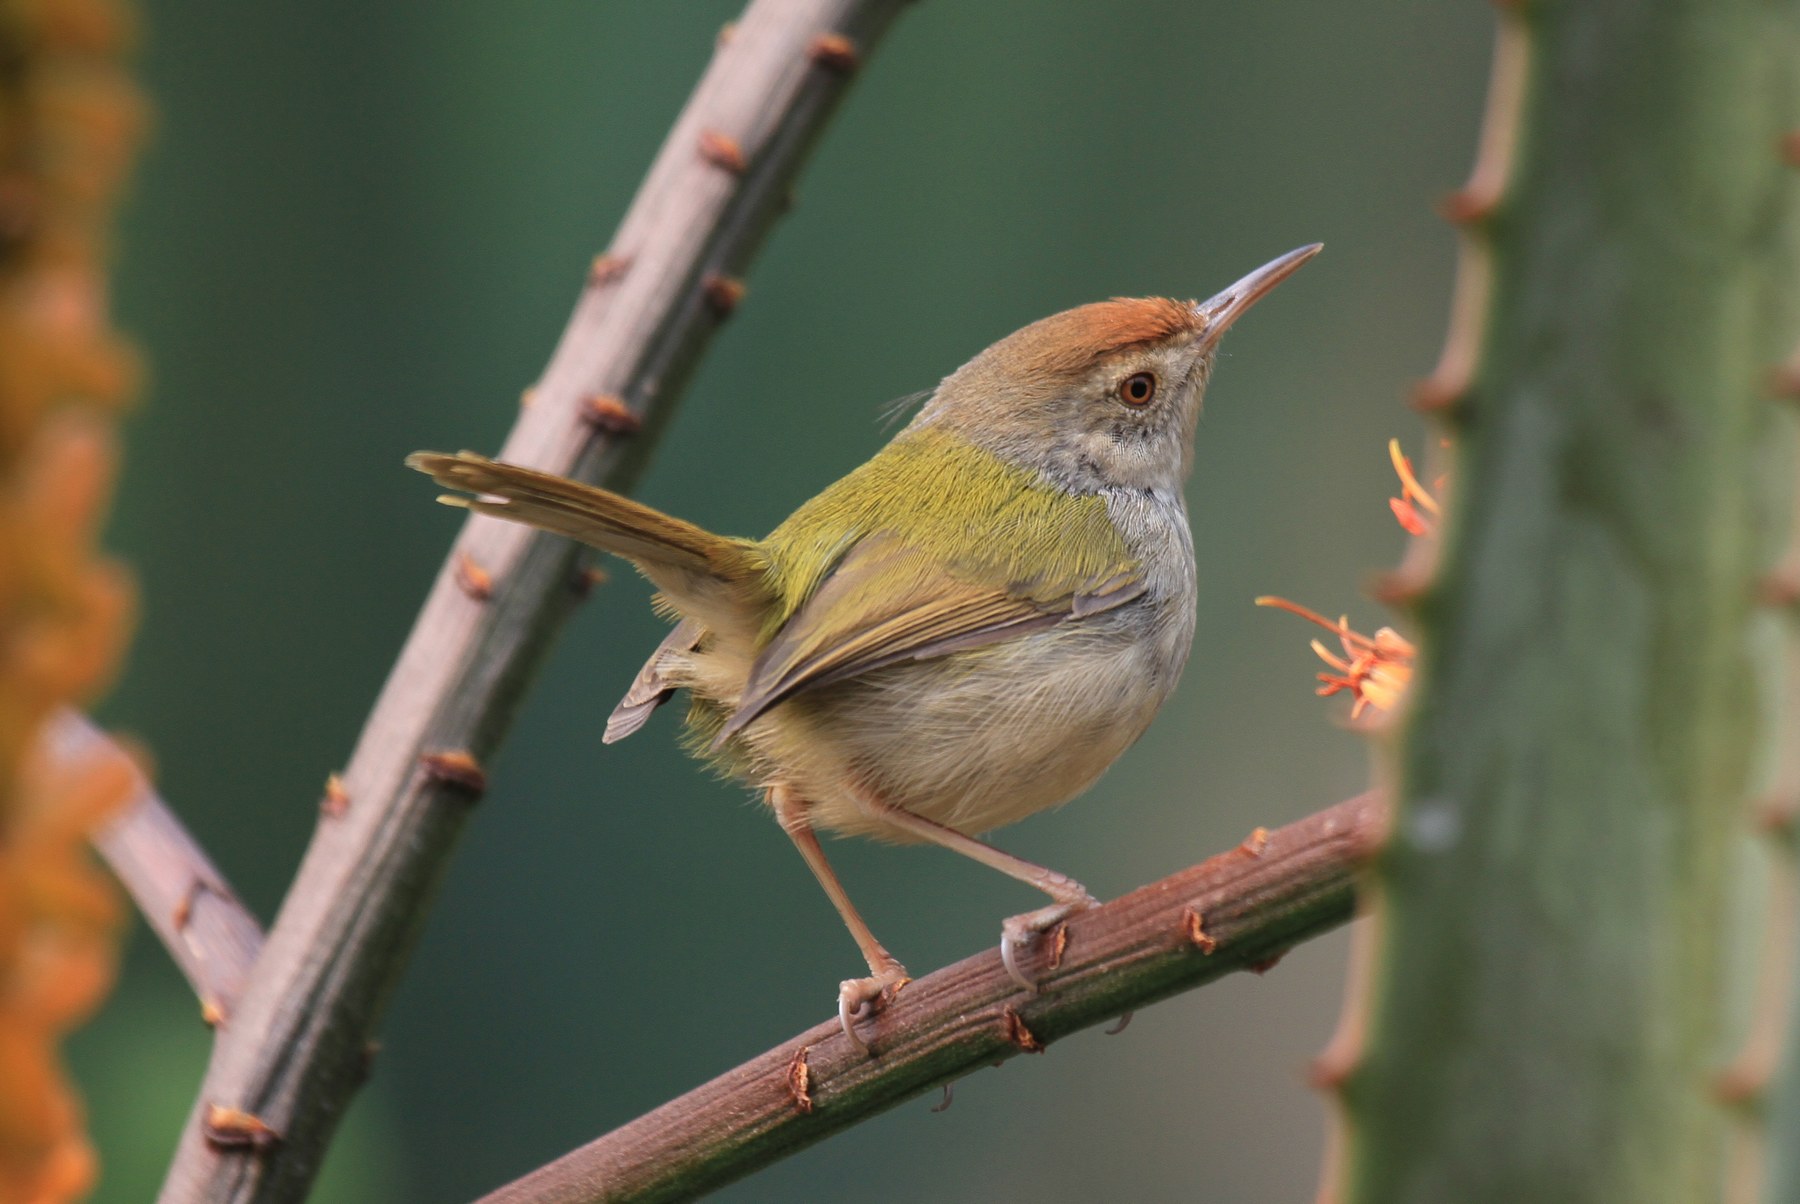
(981, 520)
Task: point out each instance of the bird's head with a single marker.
(1103, 395)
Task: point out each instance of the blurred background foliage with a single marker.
(69, 123)
(357, 232)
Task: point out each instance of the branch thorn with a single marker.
(722, 151)
(1193, 929)
(608, 412)
(1790, 148)
(184, 906)
(337, 798)
(1740, 1085)
(1468, 206)
(1399, 587)
(1784, 380)
(799, 1080)
(835, 53)
(723, 293)
(1438, 394)
(587, 578)
(1333, 1067)
(234, 1129)
(1777, 814)
(607, 268)
(457, 768)
(1017, 1034)
(472, 579)
(1779, 590)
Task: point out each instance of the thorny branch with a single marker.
(284, 1068)
(1238, 911)
(211, 936)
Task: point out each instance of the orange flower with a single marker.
(1375, 670)
(68, 117)
(1416, 509)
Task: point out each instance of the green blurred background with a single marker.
(358, 231)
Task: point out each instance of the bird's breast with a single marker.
(982, 738)
(1154, 525)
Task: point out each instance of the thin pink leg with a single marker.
(1016, 932)
(856, 996)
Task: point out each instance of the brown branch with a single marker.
(297, 1046)
(1240, 910)
(212, 937)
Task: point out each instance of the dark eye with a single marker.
(1138, 388)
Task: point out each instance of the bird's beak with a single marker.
(1222, 309)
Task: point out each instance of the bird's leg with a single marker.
(856, 996)
(1016, 932)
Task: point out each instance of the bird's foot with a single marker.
(1018, 933)
(862, 997)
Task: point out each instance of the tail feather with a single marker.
(695, 568)
(651, 688)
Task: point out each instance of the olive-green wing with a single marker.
(885, 603)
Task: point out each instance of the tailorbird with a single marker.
(968, 628)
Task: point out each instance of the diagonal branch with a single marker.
(211, 935)
(283, 1071)
(1239, 910)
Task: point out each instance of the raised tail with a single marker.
(717, 580)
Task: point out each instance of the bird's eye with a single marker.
(1138, 388)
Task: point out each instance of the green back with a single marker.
(985, 521)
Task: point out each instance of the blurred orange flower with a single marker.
(68, 125)
(1415, 508)
(1374, 670)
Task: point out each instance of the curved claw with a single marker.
(859, 998)
(1010, 942)
(1018, 932)
(850, 1010)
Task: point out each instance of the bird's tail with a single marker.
(718, 580)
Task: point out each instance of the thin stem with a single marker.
(212, 937)
(1240, 910)
(298, 1044)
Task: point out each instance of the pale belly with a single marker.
(980, 739)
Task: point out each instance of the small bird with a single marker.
(968, 629)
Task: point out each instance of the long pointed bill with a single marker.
(1224, 308)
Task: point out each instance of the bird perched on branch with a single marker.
(969, 628)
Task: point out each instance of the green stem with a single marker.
(1548, 1004)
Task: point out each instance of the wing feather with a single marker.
(885, 603)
